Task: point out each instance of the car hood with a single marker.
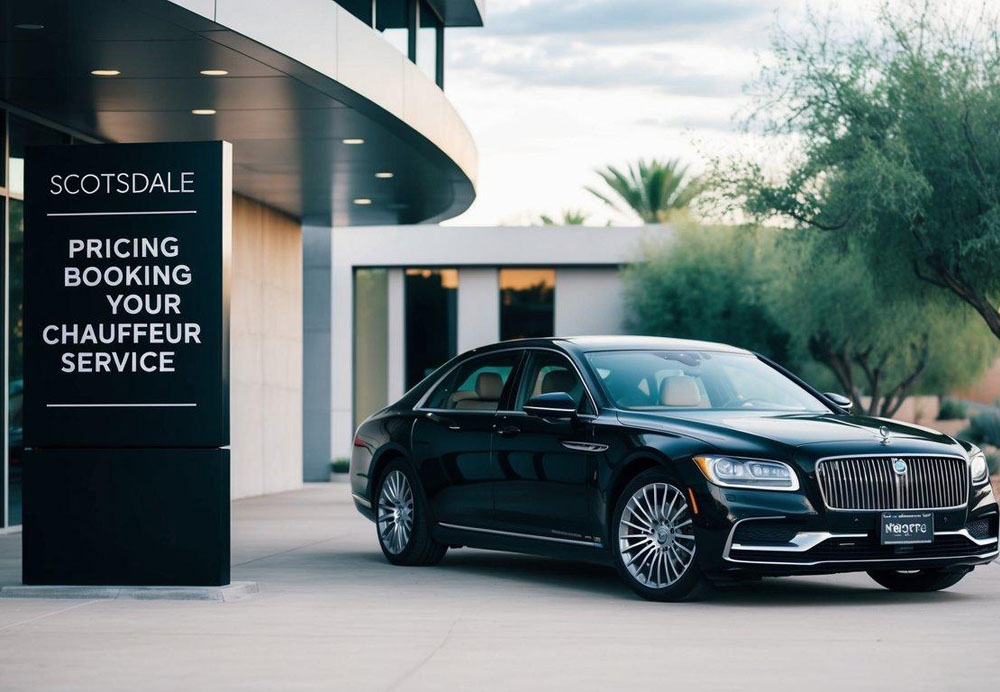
(755, 432)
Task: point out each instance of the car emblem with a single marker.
(886, 437)
(899, 466)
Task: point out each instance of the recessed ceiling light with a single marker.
(353, 140)
(362, 201)
(105, 73)
(384, 175)
(203, 111)
(215, 73)
(29, 27)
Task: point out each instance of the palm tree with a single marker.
(653, 190)
(570, 217)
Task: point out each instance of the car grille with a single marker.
(870, 483)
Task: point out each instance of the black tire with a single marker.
(691, 583)
(920, 581)
(419, 548)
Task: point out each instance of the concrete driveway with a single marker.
(334, 615)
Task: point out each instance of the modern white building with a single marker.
(337, 114)
(401, 300)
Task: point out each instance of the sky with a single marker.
(552, 89)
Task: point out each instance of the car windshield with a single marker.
(697, 380)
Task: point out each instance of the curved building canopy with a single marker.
(329, 121)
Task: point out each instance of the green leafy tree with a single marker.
(570, 217)
(814, 308)
(707, 284)
(876, 341)
(898, 152)
(653, 190)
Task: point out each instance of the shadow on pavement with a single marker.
(599, 580)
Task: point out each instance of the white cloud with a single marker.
(553, 89)
(623, 20)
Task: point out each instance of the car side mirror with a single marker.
(840, 400)
(551, 405)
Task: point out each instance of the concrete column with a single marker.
(478, 307)
(341, 349)
(316, 352)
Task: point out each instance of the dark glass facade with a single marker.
(527, 303)
(18, 133)
(431, 318)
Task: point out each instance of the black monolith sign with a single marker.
(126, 364)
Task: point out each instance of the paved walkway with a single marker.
(334, 615)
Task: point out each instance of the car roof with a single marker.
(616, 343)
(630, 343)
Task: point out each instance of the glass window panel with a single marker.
(547, 373)
(431, 320)
(397, 38)
(476, 385)
(391, 17)
(15, 369)
(527, 303)
(23, 133)
(658, 380)
(3, 135)
(427, 41)
(371, 342)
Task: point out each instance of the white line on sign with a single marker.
(120, 405)
(121, 213)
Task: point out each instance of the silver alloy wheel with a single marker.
(395, 512)
(655, 539)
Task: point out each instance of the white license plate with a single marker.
(906, 528)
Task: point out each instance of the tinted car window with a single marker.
(548, 372)
(476, 385)
(663, 380)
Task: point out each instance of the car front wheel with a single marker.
(921, 580)
(654, 539)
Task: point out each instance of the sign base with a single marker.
(135, 517)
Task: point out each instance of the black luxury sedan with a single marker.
(681, 463)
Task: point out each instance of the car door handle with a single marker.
(452, 425)
(508, 431)
(592, 447)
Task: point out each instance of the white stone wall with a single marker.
(478, 307)
(266, 349)
(588, 301)
(588, 297)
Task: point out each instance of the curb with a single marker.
(236, 591)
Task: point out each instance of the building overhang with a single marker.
(303, 76)
(460, 12)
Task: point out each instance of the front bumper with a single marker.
(761, 532)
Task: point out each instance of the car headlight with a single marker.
(758, 474)
(978, 468)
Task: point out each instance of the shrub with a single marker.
(993, 461)
(983, 429)
(340, 465)
(951, 410)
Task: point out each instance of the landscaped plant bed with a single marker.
(339, 469)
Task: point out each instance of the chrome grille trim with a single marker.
(869, 483)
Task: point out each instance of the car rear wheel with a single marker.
(654, 540)
(921, 580)
(401, 519)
